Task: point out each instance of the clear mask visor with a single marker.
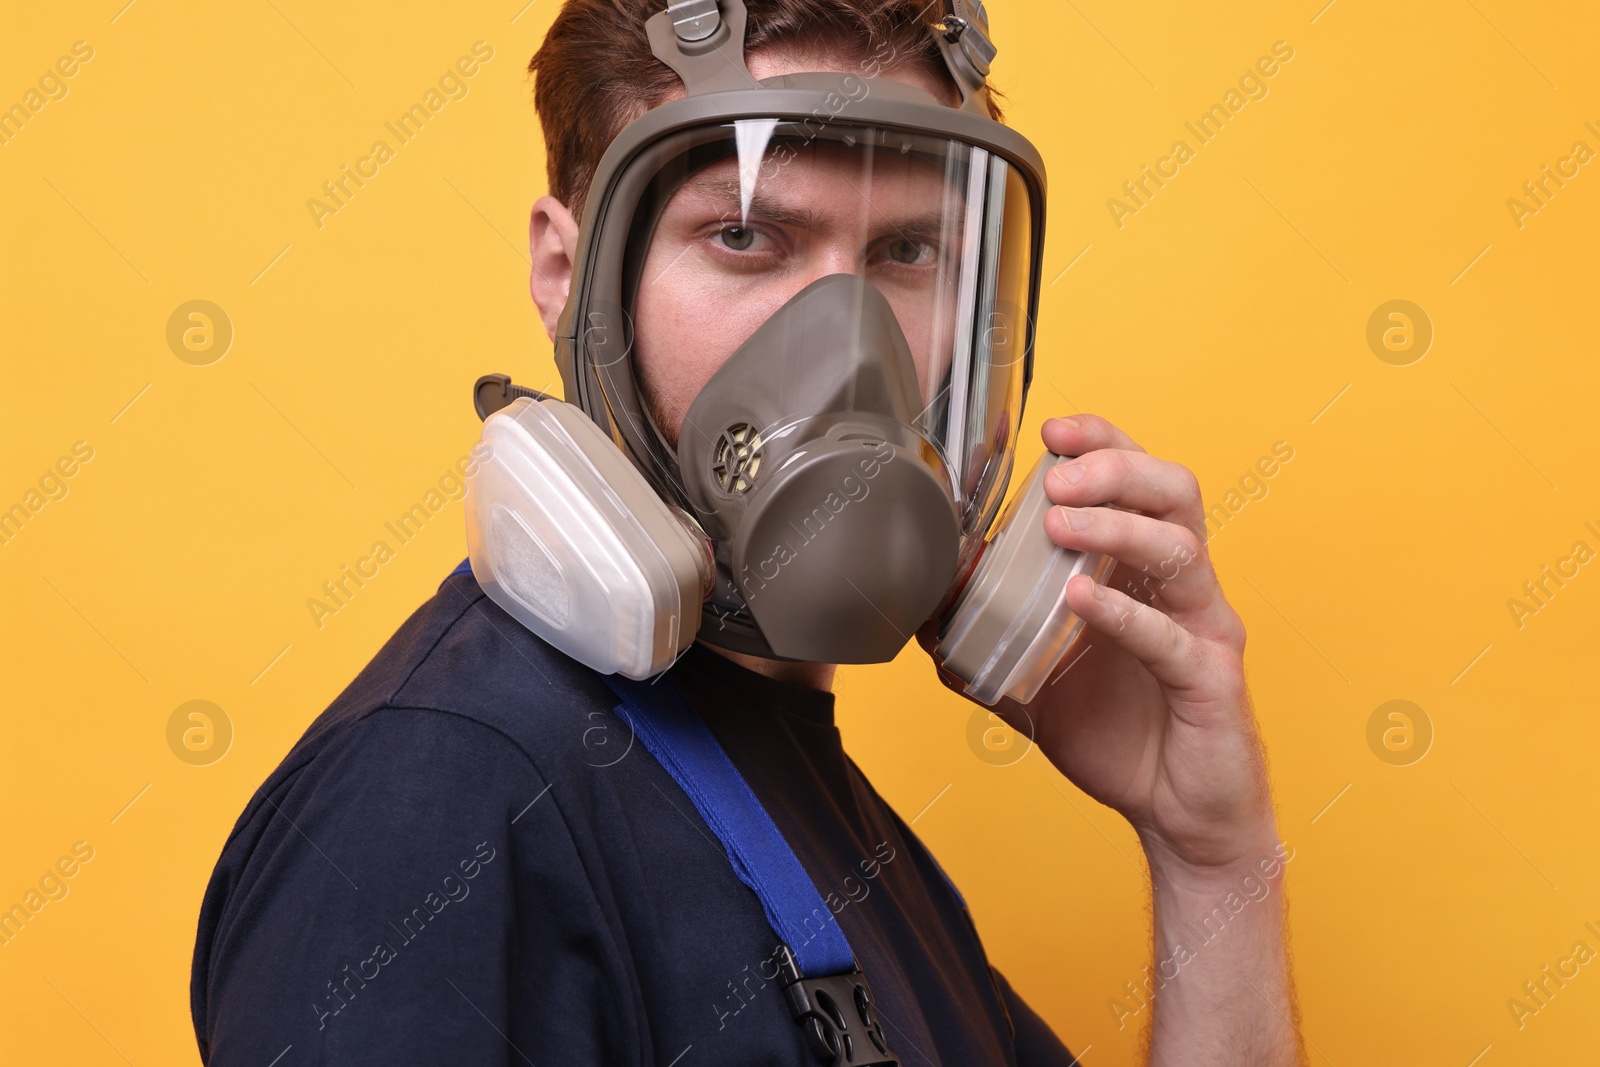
(743, 215)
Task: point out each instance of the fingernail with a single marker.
(1099, 591)
(1070, 473)
(1077, 518)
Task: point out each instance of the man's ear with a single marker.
(553, 245)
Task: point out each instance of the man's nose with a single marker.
(834, 257)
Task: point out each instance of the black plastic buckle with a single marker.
(837, 1014)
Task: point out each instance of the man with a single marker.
(478, 855)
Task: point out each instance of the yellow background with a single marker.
(1224, 317)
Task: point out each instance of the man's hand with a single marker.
(1150, 716)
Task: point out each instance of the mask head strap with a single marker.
(703, 41)
(963, 38)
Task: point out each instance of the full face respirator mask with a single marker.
(795, 353)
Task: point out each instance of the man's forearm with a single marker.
(1223, 990)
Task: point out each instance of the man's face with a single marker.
(687, 322)
(714, 272)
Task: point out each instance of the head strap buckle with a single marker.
(694, 20)
(703, 41)
(962, 34)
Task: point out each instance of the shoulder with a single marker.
(459, 679)
(461, 697)
(421, 783)
(460, 655)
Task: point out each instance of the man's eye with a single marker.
(737, 238)
(909, 252)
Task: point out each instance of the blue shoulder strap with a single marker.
(674, 734)
(826, 992)
(464, 567)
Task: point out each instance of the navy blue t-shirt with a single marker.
(468, 859)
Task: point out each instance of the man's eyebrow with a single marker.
(727, 189)
(933, 222)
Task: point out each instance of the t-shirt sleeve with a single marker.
(1037, 1045)
(410, 895)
